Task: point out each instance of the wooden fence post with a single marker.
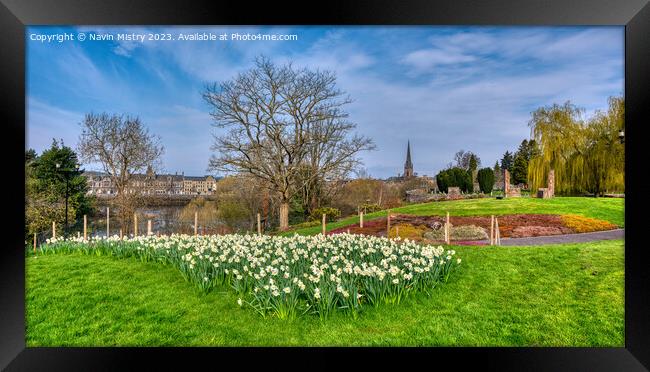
(196, 223)
(34, 243)
(108, 222)
(121, 234)
(259, 225)
(361, 220)
(388, 223)
(85, 227)
(448, 230)
(53, 229)
(148, 227)
(135, 224)
(324, 223)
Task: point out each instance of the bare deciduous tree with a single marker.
(329, 160)
(124, 147)
(463, 160)
(283, 120)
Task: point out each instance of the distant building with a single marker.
(199, 185)
(408, 165)
(99, 183)
(151, 183)
(408, 168)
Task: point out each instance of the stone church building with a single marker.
(408, 165)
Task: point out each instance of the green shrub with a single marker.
(454, 177)
(369, 208)
(331, 213)
(485, 179)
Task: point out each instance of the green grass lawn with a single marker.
(562, 295)
(607, 209)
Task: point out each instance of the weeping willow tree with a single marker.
(605, 156)
(586, 155)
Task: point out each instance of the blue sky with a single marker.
(442, 88)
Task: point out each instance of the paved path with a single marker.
(566, 238)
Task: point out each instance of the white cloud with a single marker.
(426, 59)
(332, 52)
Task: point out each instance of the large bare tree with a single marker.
(124, 147)
(284, 123)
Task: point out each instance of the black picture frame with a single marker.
(634, 14)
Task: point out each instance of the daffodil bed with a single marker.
(289, 276)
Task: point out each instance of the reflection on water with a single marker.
(165, 220)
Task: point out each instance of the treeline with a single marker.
(49, 177)
(588, 155)
(465, 173)
(238, 198)
(517, 163)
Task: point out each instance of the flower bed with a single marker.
(407, 231)
(289, 276)
(585, 224)
(510, 226)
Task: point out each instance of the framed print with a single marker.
(453, 181)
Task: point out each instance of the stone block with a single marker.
(453, 193)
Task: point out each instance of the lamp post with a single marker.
(66, 172)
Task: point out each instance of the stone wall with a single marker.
(551, 183)
(548, 191)
(508, 189)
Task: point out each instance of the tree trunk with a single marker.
(284, 216)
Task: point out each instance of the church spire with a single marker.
(408, 154)
(408, 166)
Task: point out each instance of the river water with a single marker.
(165, 220)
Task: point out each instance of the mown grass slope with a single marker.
(562, 295)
